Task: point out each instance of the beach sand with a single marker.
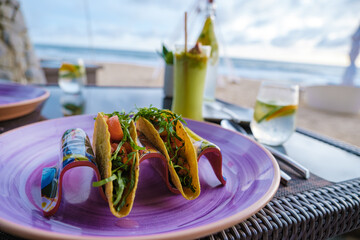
(242, 92)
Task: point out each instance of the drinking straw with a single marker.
(185, 31)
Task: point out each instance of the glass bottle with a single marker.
(208, 37)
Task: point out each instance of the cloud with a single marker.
(293, 36)
(242, 39)
(243, 24)
(331, 43)
(260, 22)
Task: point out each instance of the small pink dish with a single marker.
(17, 100)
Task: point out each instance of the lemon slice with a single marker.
(67, 67)
(282, 112)
(68, 70)
(265, 111)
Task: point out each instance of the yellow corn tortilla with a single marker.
(101, 142)
(145, 126)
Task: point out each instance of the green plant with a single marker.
(167, 55)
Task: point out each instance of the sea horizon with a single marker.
(258, 69)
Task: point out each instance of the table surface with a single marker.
(328, 163)
(317, 156)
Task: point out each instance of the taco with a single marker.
(165, 131)
(117, 157)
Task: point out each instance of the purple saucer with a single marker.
(252, 179)
(17, 100)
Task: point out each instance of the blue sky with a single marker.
(315, 31)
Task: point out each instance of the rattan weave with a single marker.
(310, 212)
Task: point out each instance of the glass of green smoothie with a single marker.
(189, 80)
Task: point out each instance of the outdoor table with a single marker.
(324, 206)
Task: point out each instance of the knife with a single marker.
(279, 155)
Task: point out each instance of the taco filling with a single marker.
(117, 157)
(169, 128)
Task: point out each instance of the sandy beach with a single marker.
(242, 92)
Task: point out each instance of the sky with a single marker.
(308, 31)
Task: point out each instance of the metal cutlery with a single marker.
(289, 162)
(285, 178)
(229, 124)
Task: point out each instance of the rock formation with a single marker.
(18, 62)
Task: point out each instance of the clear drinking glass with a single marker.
(72, 76)
(189, 81)
(275, 110)
(72, 103)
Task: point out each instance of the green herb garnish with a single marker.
(131, 186)
(164, 120)
(120, 183)
(104, 181)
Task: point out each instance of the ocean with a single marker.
(300, 73)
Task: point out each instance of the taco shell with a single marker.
(102, 147)
(147, 128)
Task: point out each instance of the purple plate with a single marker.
(17, 100)
(252, 179)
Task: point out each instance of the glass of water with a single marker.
(275, 110)
(72, 76)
